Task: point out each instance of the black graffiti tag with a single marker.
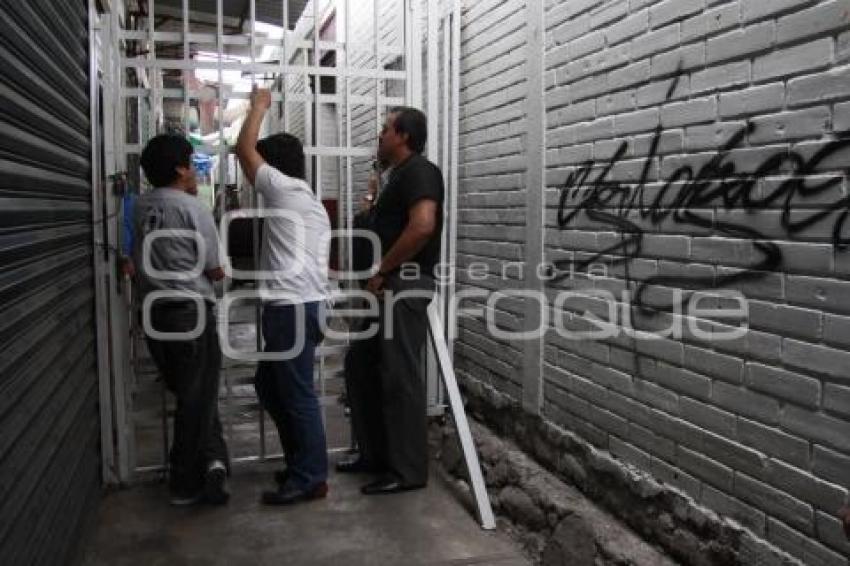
(717, 183)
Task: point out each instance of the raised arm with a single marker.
(246, 145)
(422, 222)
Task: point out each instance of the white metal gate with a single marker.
(335, 67)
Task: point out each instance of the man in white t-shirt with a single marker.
(294, 286)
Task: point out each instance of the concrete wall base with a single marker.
(545, 483)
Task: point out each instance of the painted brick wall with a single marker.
(491, 200)
(365, 124)
(674, 131)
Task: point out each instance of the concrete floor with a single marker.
(137, 526)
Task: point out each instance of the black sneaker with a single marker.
(287, 495)
(180, 498)
(215, 483)
(356, 465)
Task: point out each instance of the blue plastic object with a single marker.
(202, 162)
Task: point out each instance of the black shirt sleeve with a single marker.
(423, 182)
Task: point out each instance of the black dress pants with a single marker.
(387, 389)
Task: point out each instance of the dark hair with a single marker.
(412, 122)
(161, 157)
(285, 153)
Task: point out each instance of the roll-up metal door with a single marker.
(49, 425)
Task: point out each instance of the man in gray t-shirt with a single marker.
(165, 213)
(176, 254)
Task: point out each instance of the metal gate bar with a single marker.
(132, 384)
(155, 93)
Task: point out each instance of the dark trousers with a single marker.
(191, 370)
(387, 392)
(285, 389)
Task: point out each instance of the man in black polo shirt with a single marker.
(388, 402)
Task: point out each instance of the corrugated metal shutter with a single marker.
(49, 428)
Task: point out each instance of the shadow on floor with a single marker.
(137, 526)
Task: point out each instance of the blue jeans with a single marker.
(286, 391)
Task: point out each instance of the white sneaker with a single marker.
(215, 483)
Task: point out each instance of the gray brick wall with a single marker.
(641, 98)
(491, 202)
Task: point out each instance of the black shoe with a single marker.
(281, 476)
(215, 484)
(289, 495)
(183, 498)
(355, 465)
(387, 485)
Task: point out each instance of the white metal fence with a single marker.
(334, 68)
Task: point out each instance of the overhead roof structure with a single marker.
(236, 11)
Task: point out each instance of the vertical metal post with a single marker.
(187, 74)
(433, 115)
(413, 54)
(454, 177)
(317, 173)
(107, 446)
(407, 11)
(342, 208)
(252, 37)
(532, 368)
(308, 112)
(284, 61)
(317, 92)
(256, 203)
(433, 69)
(349, 182)
(444, 157)
(378, 65)
(222, 168)
(152, 131)
(114, 160)
(153, 71)
(448, 99)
